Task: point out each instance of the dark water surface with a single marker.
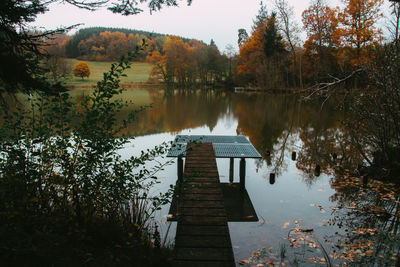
(309, 203)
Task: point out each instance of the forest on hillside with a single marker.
(176, 60)
(340, 43)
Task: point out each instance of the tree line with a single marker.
(190, 63)
(339, 41)
(101, 43)
(176, 60)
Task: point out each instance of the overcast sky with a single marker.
(203, 20)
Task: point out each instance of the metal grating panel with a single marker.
(235, 151)
(224, 146)
(176, 150)
(212, 139)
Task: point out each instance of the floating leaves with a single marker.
(263, 221)
(298, 221)
(285, 225)
(265, 256)
(244, 262)
(321, 209)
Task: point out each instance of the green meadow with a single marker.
(138, 73)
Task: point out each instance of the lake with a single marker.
(313, 207)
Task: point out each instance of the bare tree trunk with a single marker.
(286, 18)
(300, 72)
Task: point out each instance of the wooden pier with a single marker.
(202, 236)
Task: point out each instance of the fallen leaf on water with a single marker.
(333, 208)
(321, 209)
(297, 221)
(286, 224)
(243, 262)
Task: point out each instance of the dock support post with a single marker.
(180, 170)
(242, 173)
(231, 166)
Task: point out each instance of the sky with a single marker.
(203, 20)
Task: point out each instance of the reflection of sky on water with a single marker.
(288, 199)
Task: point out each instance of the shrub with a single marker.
(66, 195)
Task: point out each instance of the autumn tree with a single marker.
(251, 52)
(159, 70)
(359, 30)
(188, 63)
(81, 69)
(178, 56)
(174, 64)
(320, 22)
(262, 59)
(252, 57)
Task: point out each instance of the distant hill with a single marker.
(72, 49)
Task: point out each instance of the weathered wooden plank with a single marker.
(200, 163)
(194, 230)
(202, 220)
(203, 241)
(200, 204)
(203, 197)
(200, 184)
(186, 263)
(203, 190)
(203, 212)
(193, 171)
(202, 237)
(201, 180)
(204, 254)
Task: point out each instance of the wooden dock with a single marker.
(202, 236)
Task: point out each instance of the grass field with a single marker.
(139, 72)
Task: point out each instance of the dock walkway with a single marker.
(202, 236)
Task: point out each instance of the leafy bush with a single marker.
(66, 195)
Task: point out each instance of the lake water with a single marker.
(308, 193)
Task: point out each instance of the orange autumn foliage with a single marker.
(251, 53)
(320, 22)
(81, 69)
(359, 29)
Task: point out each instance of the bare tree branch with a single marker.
(325, 86)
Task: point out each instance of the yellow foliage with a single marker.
(81, 69)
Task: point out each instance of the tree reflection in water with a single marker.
(277, 125)
(366, 210)
(369, 212)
